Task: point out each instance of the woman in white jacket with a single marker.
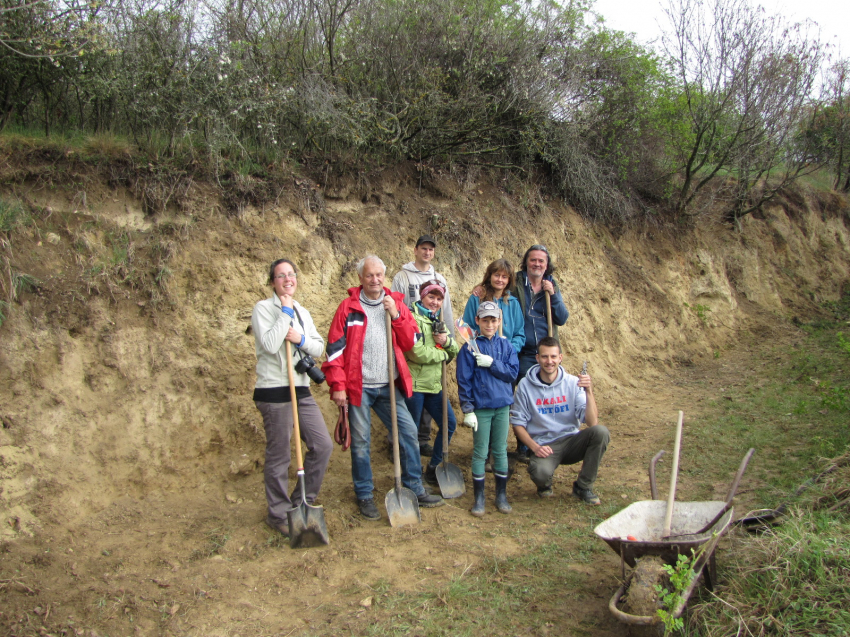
(276, 320)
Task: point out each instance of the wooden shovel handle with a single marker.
(445, 415)
(393, 408)
(296, 430)
(549, 312)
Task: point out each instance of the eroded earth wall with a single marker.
(112, 387)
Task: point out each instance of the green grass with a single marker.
(12, 215)
(104, 145)
(792, 581)
(502, 596)
(244, 159)
(822, 180)
(794, 414)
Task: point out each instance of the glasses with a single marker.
(286, 275)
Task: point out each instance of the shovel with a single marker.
(307, 525)
(449, 476)
(549, 313)
(402, 504)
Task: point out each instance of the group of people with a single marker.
(509, 374)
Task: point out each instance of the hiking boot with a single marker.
(280, 527)
(478, 504)
(545, 492)
(426, 449)
(585, 495)
(430, 475)
(368, 509)
(428, 501)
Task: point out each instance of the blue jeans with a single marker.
(434, 404)
(360, 421)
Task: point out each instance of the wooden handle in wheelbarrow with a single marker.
(668, 518)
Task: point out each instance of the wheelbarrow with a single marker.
(638, 531)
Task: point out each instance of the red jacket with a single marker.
(344, 367)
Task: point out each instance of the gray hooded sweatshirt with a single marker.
(409, 280)
(548, 412)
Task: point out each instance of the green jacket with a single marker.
(425, 359)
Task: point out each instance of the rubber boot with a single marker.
(502, 494)
(478, 490)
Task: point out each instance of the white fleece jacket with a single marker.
(271, 325)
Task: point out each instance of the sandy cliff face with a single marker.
(114, 384)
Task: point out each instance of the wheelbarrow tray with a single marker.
(644, 521)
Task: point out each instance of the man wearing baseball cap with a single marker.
(408, 281)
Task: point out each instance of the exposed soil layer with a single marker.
(131, 454)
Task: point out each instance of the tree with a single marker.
(36, 38)
(625, 95)
(746, 80)
(827, 136)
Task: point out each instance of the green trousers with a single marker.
(492, 435)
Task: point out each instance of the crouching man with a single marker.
(548, 410)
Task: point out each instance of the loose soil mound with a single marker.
(641, 598)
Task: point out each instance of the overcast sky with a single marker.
(645, 18)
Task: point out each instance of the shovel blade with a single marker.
(402, 507)
(450, 479)
(307, 527)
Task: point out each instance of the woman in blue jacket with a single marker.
(484, 381)
(496, 286)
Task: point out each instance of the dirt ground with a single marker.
(131, 454)
(199, 561)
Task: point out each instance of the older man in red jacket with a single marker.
(357, 373)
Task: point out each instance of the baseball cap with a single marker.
(426, 238)
(488, 308)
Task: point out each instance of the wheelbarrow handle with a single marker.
(732, 491)
(743, 467)
(653, 488)
(729, 497)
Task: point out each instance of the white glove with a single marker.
(482, 360)
(471, 420)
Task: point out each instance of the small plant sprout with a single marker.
(681, 575)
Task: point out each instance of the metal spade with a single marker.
(307, 525)
(402, 504)
(449, 476)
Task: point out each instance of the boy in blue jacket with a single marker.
(484, 380)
